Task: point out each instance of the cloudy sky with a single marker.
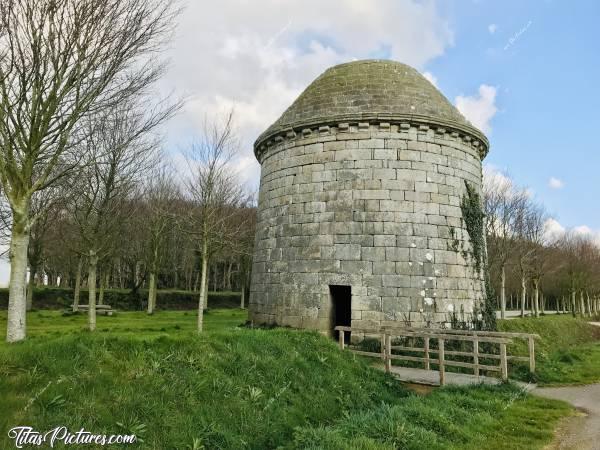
(526, 73)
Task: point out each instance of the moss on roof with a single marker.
(369, 90)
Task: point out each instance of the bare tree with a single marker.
(502, 203)
(119, 153)
(536, 248)
(244, 245)
(160, 196)
(215, 193)
(61, 60)
(522, 249)
(572, 245)
(46, 206)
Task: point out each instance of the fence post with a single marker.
(476, 356)
(531, 354)
(341, 339)
(388, 353)
(441, 361)
(503, 362)
(383, 347)
(427, 366)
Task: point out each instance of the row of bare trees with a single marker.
(85, 187)
(532, 266)
(127, 219)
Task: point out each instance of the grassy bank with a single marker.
(490, 417)
(568, 351)
(238, 388)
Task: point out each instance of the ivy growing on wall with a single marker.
(473, 217)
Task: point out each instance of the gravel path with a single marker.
(580, 432)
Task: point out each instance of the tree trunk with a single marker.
(215, 277)
(203, 285)
(121, 277)
(536, 297)
(138, 271)
(245, 280)
(93, 263)
(30, 286)
(152, 280)
(77, 284)
(502, 292)
(588, 304)
(523, 295)
(206, 298)
(228, 278)
(16, 327)
(542, 303)
(188, 279)
(151, 292)
(102, 286)
(581, 303)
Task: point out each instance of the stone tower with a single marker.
(359, 216)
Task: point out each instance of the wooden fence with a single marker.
(493, 340)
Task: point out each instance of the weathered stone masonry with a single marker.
(362, 187)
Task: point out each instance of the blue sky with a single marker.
(547, 93)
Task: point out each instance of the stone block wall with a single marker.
(375, 206)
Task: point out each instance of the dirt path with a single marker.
(582, 431)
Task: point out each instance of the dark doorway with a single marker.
(341, 311)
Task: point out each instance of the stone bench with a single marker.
(105, 310)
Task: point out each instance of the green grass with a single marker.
(568, 351)
(44, 324)
(236, 388)
(490, 417)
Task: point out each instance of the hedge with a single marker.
(125, 300)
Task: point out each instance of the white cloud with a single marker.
(554, 230)
(492, 27)
(479, 109)
(259, 55)
(431, 78)
(495, 179)
(493, 176)
(584, 230)
(555, 183)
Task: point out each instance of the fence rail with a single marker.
(442, 337)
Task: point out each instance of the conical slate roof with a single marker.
(370, 90)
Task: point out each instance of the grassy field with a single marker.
(238, 388)
(567, 353)
(44, 324)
